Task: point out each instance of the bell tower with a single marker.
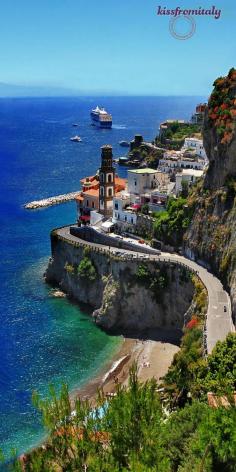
(106, 181)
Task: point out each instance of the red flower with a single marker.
(192, 323)
(224, 106)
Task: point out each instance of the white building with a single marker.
(174, 160)
(187, 175)
(197, 145)
(141, 179)
(124, 210)
(145, 187)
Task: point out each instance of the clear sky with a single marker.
(113, 46)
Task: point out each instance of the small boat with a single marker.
(76, 139)
(75, 124)
(123, 160)
(124, 143)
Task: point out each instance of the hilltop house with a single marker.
(198, 116)
(196, 145)
(166, 124)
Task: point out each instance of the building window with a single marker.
(87, 203)
(101, 191)
(135, 182)
(102, 177)
(116, 206)
(92, 204)
(132, 221)
(110, 192)
(125, 218)
(109, 178)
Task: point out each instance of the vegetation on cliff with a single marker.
(212, 233)
(156, 281)
(173, 137)
(133, 432)
(222, 106)
(205, 221)
(146, 155)
(86, 270)
(212, 224)
(170, 225)
(180, 382)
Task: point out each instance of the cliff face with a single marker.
(219, 136)
(212, 235)
(122, 300)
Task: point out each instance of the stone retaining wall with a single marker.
(91, 235)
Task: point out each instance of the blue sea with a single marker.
(45, 340)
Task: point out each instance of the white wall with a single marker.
(190, 179)
(137, 183)
(123, 216)
(119, 212)
(166, 165)
(95, 217)
(196, 144)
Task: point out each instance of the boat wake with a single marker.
(119, 127)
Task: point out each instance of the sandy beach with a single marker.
(153, 355)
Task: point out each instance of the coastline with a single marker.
(153, 355)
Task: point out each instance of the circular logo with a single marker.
(182, 27)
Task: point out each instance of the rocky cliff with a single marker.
(125, 294)
(211, 236)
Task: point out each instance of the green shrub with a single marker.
(86, 270)
(69, 268)
(156, 281)
(221, 375)
(170, 225)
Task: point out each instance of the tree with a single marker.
(145, 209)
(86, 269)
(221, 375)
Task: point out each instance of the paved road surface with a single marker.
(218, 321)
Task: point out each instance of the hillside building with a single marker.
(184, 159)
(196, 145)
(187, 175)
(145, 187)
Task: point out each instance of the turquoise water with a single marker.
(53, 341)
(42, 339)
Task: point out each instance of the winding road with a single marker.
(219, 314)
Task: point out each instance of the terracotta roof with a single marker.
(92, 193)
(91, 178)
(120, 181)
(79, 197)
